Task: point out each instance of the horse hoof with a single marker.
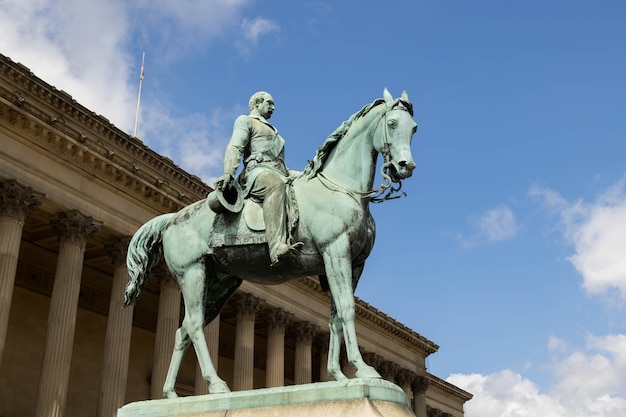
(170, 394)
(218, 388)
(338, 376)
(368, 372)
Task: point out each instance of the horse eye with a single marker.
(392, 123)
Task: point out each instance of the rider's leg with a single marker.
(271, 189)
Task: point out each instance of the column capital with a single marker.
(389, 370)
(75, 227)
(117, 249)
(304, 332)
(277, 319)
(17, 200)
(246, 305)
(405, 377)
(374, 359)
(420, 384)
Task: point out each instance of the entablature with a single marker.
(60, 126)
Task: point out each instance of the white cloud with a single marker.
(556, 344)
(252, 30)
(82, 47)
(196, 141)
(76, 46)
(255, 28)
(598, 371)
(497, 224)
(597, 232)
(506, 394)
(494, 225)
(589, 383)
(186, 25)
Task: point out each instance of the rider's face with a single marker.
(266, 107)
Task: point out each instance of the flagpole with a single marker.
(139, 95)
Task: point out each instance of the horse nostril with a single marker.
(405, 164)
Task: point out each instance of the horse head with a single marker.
(394, 138)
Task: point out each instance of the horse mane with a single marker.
(322, 153)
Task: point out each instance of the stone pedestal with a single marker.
(356, 397)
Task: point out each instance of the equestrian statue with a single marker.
(271, 225)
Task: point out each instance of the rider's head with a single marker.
(261, 103)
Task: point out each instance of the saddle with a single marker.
(246, 227)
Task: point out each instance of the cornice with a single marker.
(442, 385)
(91, 142)
(373, 315)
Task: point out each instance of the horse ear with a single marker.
(387, 97)
(405, 97)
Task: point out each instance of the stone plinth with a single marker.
(356, 397)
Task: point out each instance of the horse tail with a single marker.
(144, 252)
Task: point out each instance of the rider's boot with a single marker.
(283, 250)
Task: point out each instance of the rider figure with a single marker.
(265, 174)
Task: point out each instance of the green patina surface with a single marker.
(335, 230)
(321, 392)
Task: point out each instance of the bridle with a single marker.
(386, 190)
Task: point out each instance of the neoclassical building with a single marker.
(73, 189)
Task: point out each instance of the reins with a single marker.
(386, 190)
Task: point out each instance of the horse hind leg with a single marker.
(181, 344)
(205, 295)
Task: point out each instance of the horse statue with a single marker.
(334, 223)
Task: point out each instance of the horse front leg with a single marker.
(338, 265)
(334, 345)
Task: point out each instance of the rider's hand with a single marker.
(223, 182)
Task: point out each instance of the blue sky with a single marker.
(509, 250)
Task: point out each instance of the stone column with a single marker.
(321, 346)
(72, 229)
(405, 378)
(117, 340)
(247, 306)
(419, 386)
(304, 332)
(277, 321)
(212, 336)
(17, 202)
(168, 321)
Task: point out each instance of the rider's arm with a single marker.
(237, 145)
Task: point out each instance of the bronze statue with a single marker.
(210, 253)
(265, 174)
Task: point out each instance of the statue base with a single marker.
(354, 397)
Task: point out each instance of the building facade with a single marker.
(73, 189)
